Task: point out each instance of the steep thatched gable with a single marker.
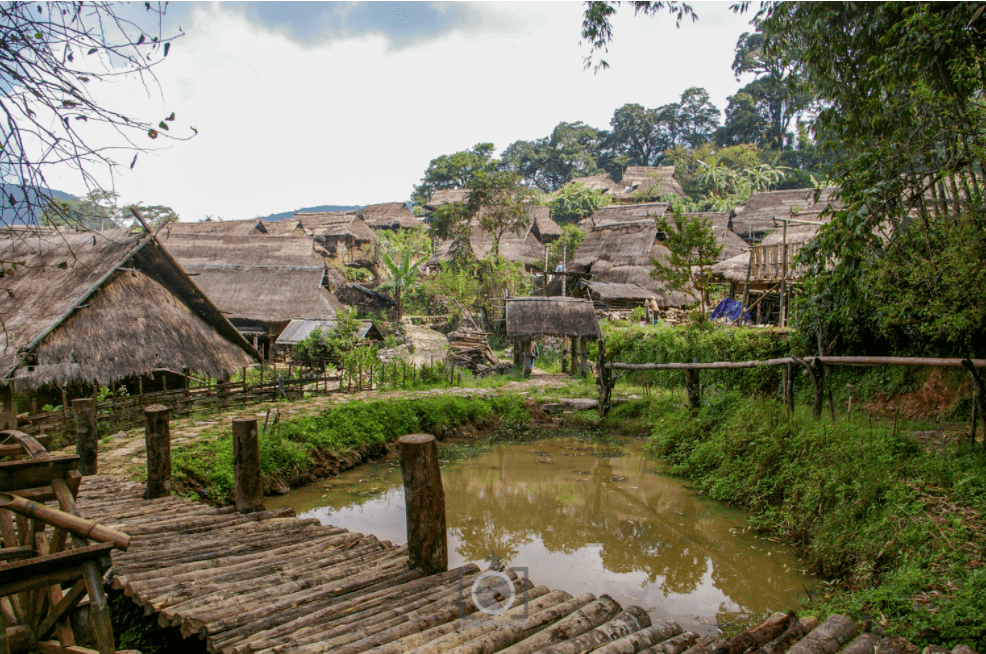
(389, 215)
(544, 228)
(98, 307)
(551, 316)
(287, 227)
(754, 219)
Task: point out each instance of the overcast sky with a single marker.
(301, 104)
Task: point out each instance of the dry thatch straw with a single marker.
(286, 251)
(731, 243)
(337, 224)
(287, 227)
(218, 227)
(652, 181)
(551, 316)
(623, 213)
(621, 253)
(444, 196)
(754, 219)
(389, 215)
(523, 247)
(98, 307)
(544, 228)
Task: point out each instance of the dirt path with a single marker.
(123, 453)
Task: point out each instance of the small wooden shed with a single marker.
(573, 319)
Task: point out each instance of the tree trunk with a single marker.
(86, 435)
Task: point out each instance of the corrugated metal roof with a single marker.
(299, 330)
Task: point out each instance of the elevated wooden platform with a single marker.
(268, 582)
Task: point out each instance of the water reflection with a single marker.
(583, 517)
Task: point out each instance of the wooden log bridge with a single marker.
(268, 582)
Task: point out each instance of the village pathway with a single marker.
(123, 453)
(427, 345)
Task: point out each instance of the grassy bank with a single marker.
(301, 449)
(898, 526)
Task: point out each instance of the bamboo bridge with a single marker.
(268, 582)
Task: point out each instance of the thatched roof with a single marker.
(286, 227)
(98, 307)
(545, 229)
(606, 292)
(753, 219)
(621, 253)
(732, 269)
(655, 181)
(523, 247)
(262, 279)
(218, 227)
(731, 243)
(390, 215)
(336, 224)
(285, 251)
(551, 316)
(447, 195)
(623, 213)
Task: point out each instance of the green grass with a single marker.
(898, 526)
(291, 447)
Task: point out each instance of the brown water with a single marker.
(582, 517)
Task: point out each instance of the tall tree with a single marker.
(453, 171)
(693, 251)
(499, 202)
(572, 150)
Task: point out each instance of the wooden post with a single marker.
(583, 356)
(246, 466)
(157, 440)
(979, 398)
(564, 352)
(782, 317)
(86, 435)
(8, 416)
(424, 499)
(789, 390)
(692, 381)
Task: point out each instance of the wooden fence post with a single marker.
(424, 499)
(692, 381)
(979, 398)
(789, 388)
(86, 435)
(246, 466)
(157, 441)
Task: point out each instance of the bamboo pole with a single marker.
(157, 442)
(424, 499)
(64, 520)
(86, 435)
(246, 461)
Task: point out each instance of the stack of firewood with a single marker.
(469, 348)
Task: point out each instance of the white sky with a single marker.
(352, 115)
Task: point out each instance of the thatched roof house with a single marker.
(299, 330)
(621, 253)
(647, 181)
(623, 213)
(338, 233)
(389, 215)
(616, 296)
(261, 284)
(523, 247)
(444, 196)
(219, 227)
(551, 316)
(99, 307)
(544, 228)
(754, 219)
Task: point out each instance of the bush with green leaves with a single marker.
(337, 343)
(575, 201)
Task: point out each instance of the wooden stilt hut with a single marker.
(573, 319)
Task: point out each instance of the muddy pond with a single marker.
(582, 517)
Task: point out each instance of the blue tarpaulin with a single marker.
(730, 310)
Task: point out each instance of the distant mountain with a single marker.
(322, 207)
(22, 212)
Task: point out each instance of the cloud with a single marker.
(400, 24)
